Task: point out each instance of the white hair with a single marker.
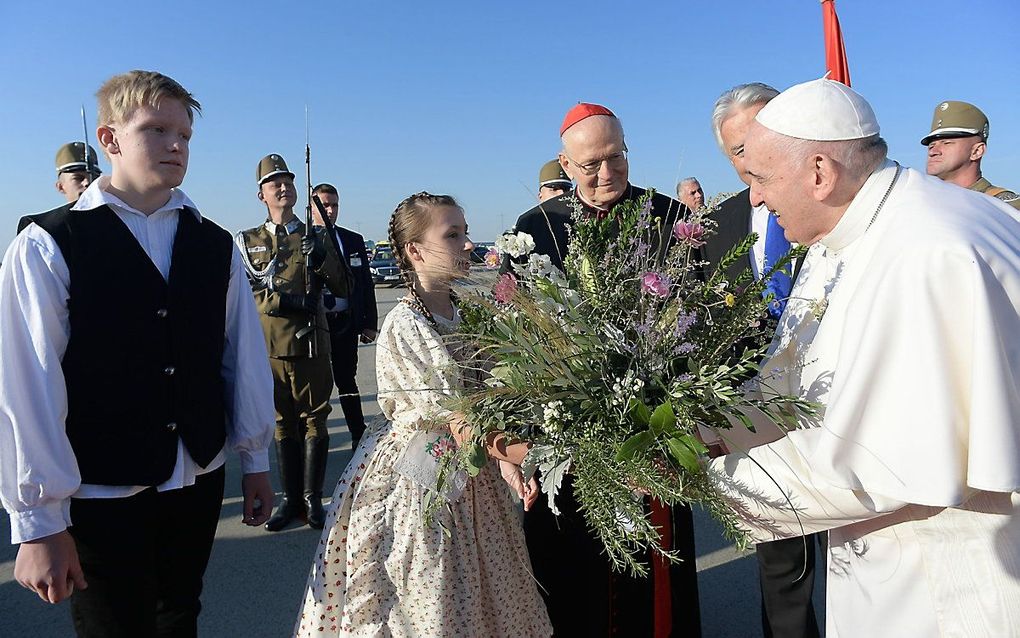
(741, 96)
(858, 157)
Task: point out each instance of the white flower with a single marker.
(515, 245)
(553, 415)
(539, 265)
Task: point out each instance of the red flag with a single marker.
(835, 52)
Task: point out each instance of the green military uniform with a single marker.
(960, 119)
(302, 384)
(984, 186)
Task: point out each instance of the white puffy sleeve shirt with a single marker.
(38, 470)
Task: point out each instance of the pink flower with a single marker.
(655, 284)
(505, 288)
(690, 232)
(492, 258)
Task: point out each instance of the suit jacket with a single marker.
(363, 313)
(734, 218)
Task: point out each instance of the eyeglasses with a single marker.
(615, 161)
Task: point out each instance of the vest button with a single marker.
(172, 426)
(169, 370)
(162, 313)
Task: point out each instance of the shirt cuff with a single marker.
(45, 520)
(254, 462)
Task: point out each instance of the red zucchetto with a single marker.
(580, 112)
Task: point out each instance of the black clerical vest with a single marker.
(143, 364)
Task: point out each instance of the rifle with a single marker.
(313, 286)
(92, 170)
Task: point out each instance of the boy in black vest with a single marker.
(133, 358)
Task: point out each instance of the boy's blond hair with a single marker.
(122, 94)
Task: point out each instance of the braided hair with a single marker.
(410, 220)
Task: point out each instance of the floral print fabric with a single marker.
(378, 571)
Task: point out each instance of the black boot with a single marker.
(288, 456)
(316, 453)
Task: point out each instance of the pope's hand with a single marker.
(49, 566)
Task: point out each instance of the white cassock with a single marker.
(913, 464)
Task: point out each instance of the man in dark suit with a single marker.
(347, 328)
(786, 567)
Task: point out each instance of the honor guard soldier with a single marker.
(553, 181)
(288, 271)
(956, 144)
(73, 175)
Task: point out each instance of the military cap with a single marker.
(270, 166)
(956, 119)
(71, 158)
(552, 175)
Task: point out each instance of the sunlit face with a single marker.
(444, 251)
(150, 150)
(784, 188)
(279, 192)
(72, 185)
(733, 131)
(691, 195)
(331, 203)
(947, 156)
(596, 141)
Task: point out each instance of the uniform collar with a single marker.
(291, 227)
(96, 195)
(858, 215)
(981, 185)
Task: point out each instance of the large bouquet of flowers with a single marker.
(611, 367)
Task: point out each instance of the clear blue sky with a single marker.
(466, 98)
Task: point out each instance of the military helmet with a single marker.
(956, 119)
(71, 158)
(270, 166)
(552, 175)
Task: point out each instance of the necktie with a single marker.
(780, 284)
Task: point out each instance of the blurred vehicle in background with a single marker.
(383, 265)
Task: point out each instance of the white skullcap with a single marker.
(820, 110)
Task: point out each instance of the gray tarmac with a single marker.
(255, 579)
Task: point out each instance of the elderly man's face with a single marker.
(595, 145)
(947, 156)
(691, 195)
(733, 132)
(784, 187)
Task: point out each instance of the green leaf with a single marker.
(635, 445)
(476, 459)
(683, 454)
(663, 419)
(639, 411)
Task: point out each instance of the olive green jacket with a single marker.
(275, 264)
(1008, 196)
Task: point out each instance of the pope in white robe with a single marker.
(904, 326)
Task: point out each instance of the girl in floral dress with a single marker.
(378, 570)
